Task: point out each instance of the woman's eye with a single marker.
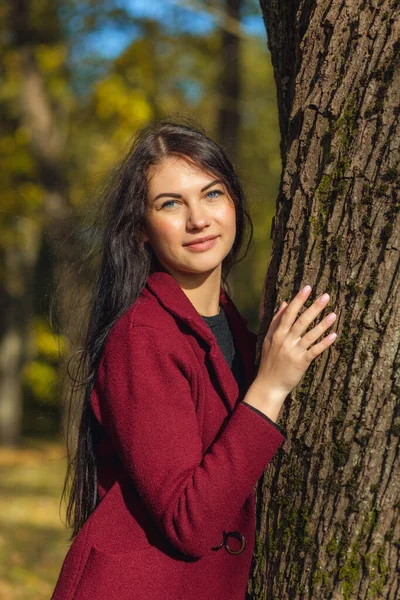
(168, 203)
(216, 192)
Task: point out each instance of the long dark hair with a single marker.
(124, 267)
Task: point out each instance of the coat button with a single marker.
(237, 535)
(225, 542)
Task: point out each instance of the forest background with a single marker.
(78, 78)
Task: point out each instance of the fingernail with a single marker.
(324, 298)
(331, 317)
(306, 289)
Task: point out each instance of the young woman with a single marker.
(176, 426)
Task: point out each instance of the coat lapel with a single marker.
(169, 293)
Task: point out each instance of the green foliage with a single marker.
(42, 379)
(48, 345)
(40, 375)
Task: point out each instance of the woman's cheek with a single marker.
(230, 219)
(169, 233)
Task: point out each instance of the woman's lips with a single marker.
(202, 245)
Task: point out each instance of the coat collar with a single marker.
(169, 293)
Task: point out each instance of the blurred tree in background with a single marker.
(78, 79)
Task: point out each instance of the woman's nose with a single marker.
(197, 217)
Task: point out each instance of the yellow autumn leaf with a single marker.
(49, 344)
(51, 58)
(41, 378)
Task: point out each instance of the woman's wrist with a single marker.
(261, 396)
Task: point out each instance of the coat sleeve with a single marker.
(146, 406)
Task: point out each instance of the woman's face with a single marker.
(192, 205)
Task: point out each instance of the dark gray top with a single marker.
(220, 328)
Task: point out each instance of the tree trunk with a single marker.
(18, 261)
(229, 86)
(228, 119)
(328, 522)
(47, 141)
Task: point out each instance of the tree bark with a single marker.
(328, 506)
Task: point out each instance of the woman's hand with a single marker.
(286, 352)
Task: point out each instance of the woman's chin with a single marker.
(197, 263)
(197, 267)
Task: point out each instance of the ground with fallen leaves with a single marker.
(33, 538)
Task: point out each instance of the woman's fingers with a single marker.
(286, 354)
(276, 320)
(294, 306)
(286, 315)
(308, 316)
(315, 350)
(316, 332)
(279, 311)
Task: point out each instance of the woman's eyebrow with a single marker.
(174, 195)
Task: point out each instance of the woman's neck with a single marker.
(202, 289)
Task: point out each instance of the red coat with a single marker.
(177, 462)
